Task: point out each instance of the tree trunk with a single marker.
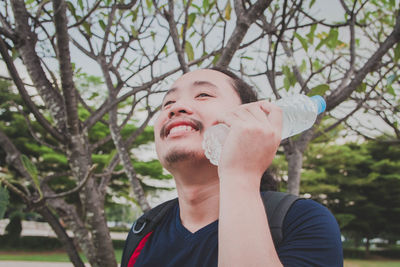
(67, 242)
(295, 162)
(123, 154)
(79, 157)
(294, 154)
(367, 245)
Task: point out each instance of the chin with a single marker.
(177, 156)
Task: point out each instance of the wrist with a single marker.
(240, 183)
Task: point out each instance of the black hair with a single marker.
(246, 93)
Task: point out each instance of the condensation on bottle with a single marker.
(299, 114)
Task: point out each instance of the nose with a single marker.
(178, 108)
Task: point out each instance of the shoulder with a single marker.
(307, 209)
(311, 235)
(309, 213)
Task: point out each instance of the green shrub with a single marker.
(354, 253)
(30, 243)
(40, 243)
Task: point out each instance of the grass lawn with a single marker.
(371, 263)
(60, 256)
(56, 256)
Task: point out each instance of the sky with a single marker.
(330, 10)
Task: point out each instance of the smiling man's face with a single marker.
(189, 108)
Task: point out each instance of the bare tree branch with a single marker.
(244, 19)
(88, 14)
(340, 94)
(169, 15)
(27, 99)
(76, 189)
(26, 46)
(66, 72)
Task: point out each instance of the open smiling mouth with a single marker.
(180, 127)
(180, 130)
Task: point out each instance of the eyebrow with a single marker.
(195, 83)
(173, 89)
(198, 83)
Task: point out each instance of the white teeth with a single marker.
(181, 128)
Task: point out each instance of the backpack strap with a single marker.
(143, 226)
(277, 204)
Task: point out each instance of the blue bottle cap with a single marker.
(320, 101)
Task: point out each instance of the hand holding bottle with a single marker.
(299, 114)
(254, 134)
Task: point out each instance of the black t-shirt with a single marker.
(311, 237)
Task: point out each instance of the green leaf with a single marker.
(71, 8)
(390, 90)
(286, 83)
(4, 201)
(248, 58)
(29, 166)
(111, 156)
(149, 4)
(206, 5)
(102, 25)
(80, 2)
(94, 95)
(311, 3)
(134, 14)
(31, 169)
(189, 51)
(14, 53)
(216, 57)
(303, 66)
(361, 88)
(323, 42)
(290, 79)
(332, 38)
(319, 90)
(397, 53)
(86, 26)
(191, 19)
(311, 34)
(134, 32)
(316, 65)
(303, 41)
(391, 79)
(228, 10)
(28, 2)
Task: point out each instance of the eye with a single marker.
(203, 95)
(168, 103)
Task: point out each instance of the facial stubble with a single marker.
(178, 154)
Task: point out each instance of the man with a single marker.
(220, 217)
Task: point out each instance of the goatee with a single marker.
(178, 156)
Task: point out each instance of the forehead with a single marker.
(202, 78)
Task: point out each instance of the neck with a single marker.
(198, 194)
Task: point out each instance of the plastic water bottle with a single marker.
(299, 114)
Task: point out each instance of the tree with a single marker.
(130, 43)
(346, 61)
(360, 183)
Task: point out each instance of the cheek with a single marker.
(158, 123)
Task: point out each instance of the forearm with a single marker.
(244, 235)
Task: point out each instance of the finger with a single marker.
(239, 115)
(244, 114)
(258, 113)
(274, 115)
(228, 118)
